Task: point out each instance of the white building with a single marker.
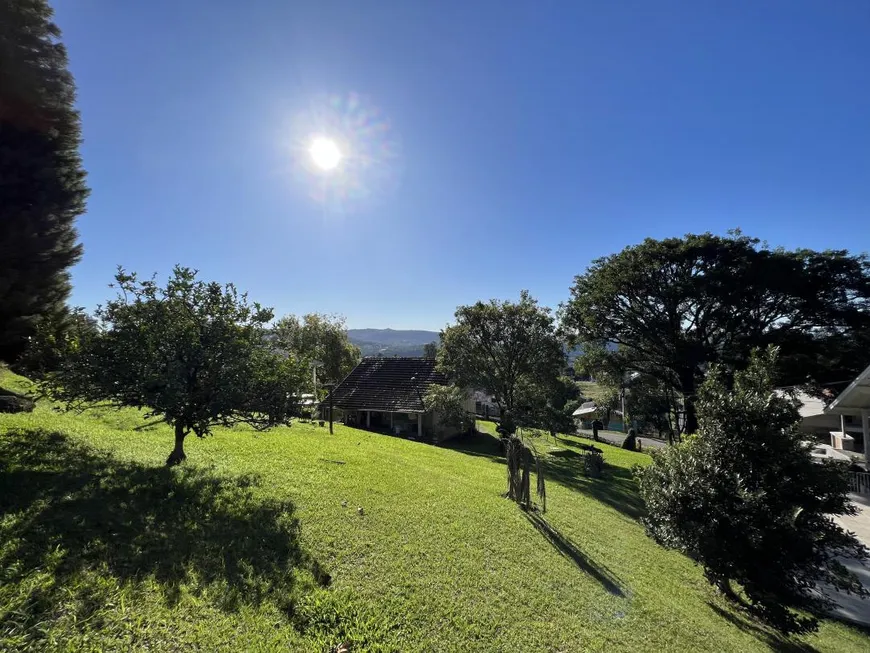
(853, 404)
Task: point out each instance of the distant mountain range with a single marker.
(396, 342)
(391, 342)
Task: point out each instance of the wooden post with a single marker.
(368, 419)
(420, 425)
(330, 411)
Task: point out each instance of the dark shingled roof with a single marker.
(388, 384)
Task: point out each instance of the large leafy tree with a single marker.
(318, 338)
(42, 183)
(549, 407)
(509, 349)
(745, 499)
(676, 306)
(646, 398)
(192, 353)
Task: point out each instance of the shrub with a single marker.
(593, 463)
(746, 501)
(630, 441)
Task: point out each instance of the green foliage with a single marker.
(430, 350)
(439, 562)
(42, 183)
(321, 338)
(653, 404)
(678, 305)
(448, 402)
(509, 349)
(548, 407)
(593, 463)
(55, 338)
(192, 353)
(745, 499)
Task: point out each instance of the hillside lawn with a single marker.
(257, 544)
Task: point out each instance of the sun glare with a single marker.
(325, 153)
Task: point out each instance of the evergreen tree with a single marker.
(42, 183)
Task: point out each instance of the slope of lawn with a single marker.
(257, 544)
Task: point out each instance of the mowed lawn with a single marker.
(257, 544)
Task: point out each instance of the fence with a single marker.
(859, 482)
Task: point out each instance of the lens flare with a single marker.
(348, 155)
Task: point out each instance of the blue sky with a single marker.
(492, 146)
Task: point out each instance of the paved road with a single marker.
(851, 607)
(615, 438)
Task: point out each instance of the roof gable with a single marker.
(388, 384)
(855, 398)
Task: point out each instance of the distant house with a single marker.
(853, 405)
(386, 394)
(843, 431)
(814, 419)
(485, 405)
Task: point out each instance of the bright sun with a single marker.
(325, 153)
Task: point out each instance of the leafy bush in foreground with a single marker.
(747, 502)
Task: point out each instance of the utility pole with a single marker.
(624, 418)
(330, 387)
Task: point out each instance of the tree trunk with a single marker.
(691, 417)
(687, 383)
(177, 456)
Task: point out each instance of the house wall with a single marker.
(405, 424)
(822, 425)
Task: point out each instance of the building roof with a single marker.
(809, 406)
(855, 398)
(585, 408)
(388, 384)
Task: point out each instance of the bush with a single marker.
(630, 441)
(593, 463)
(746, 501)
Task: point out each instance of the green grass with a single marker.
(256, 544)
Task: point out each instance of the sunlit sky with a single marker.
(483, 147)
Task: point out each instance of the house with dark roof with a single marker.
(386, 394)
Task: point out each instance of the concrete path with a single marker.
(851, 607)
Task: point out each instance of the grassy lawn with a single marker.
(257, 544)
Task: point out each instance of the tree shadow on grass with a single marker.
(70, 510)
(477, 443)
(773, 640)
(616, 488)
(571, 551)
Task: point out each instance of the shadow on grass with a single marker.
(71, 511)
(617, 487)
(477, 443)
(773, 640)
(570, 550)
